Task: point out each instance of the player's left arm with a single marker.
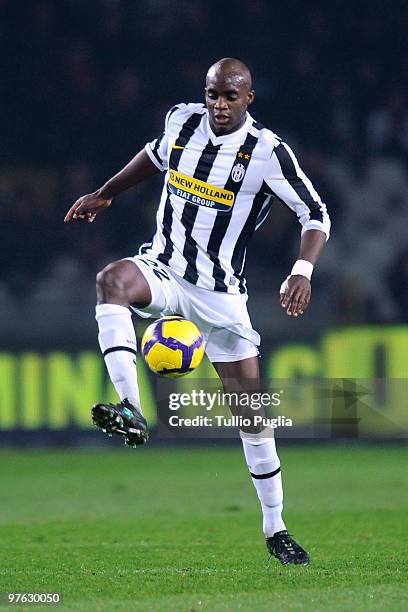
(286, 181)
(296, 290)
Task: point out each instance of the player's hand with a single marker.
(295, 294)
(86, 208)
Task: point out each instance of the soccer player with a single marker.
(222, 172)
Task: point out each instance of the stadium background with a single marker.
(84, 86)
(176, 525)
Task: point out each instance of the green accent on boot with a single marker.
(127, 413)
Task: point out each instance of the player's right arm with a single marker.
(88, 206)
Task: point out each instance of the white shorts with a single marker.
(222, 317)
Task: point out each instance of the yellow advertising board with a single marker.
(57, 389)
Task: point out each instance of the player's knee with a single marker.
(110, 282)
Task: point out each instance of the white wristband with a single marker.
(284, 285)
(303, 268)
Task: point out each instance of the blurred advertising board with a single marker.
(353, 382)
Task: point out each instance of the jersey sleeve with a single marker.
(157, 150)
(288, 183)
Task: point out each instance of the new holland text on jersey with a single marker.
(199, 192)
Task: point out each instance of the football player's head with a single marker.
(228, 93)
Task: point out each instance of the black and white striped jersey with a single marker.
(217, 191)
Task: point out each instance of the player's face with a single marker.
(227, 99)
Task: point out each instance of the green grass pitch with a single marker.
(180, 529)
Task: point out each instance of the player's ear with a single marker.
(251, 96)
